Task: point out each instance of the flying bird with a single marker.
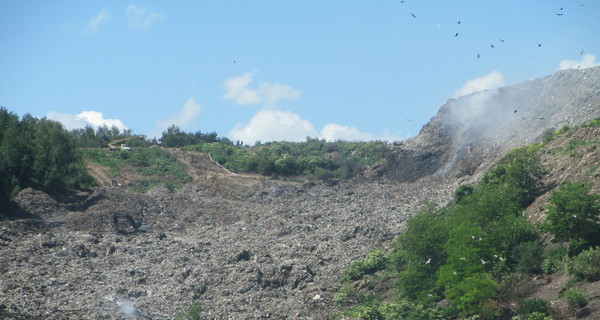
(559, 14)
(428, 261)
(413, 15)
(581, 51)
(539, 45)
(515, 111)
(560, 8)
(456, 35)
(458, 22)
(478, 55)
(483, 262)
(233, 60)
(501, 40)
(493, 46)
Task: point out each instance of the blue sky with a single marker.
(279, 70)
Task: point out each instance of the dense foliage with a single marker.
(478, 250)
(313, 158)
(37, 153)
(574, 215)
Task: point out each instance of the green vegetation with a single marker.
(480, 250)
(533, 306)
(314, 158)
(193, 313)
(158, 165)
(37, 153)
(574, 216)
(575, 298)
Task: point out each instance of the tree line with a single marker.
(37, 153)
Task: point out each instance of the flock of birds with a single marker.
(560, 13)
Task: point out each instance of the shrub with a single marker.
(471, 294)
(535, 305)
(193, 313)
(373, 262)
(366, 311)
(587, 264)
(554, 259)
(575, 298)
(573, 214)
(533, 316)
(528, 257)
(406, 310)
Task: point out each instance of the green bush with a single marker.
(534, 305)
(554, 259)
(470, 295)
(366, 311)
(587, 264)
(573, 214)
(193, 313)
(575, 298)
(373, 262)
(406, 310)
(528, 257)
(533, 316)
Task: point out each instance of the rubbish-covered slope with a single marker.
(470, 133)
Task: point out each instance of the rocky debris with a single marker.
(266, 253)
(36, 203)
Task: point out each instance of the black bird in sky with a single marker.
(539, 45)
(581, 51)
(458, 22)
(413, 15)
(493, 46)
(515, 111)
(501, 40)
(456, 35)
(477, 55)
(559, 14)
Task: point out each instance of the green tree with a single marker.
(574, 214)
(470, 295)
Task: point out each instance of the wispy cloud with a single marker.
(186, 116)
(142, 18)
(587, 61)
(237, 90)
(267, 93)
(97, 21)
(490, 81)
(86, 118)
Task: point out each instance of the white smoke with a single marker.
(127, 307)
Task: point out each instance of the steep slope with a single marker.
(254, 247)
(470, 133)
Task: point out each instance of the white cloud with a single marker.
(273, 125)
(86, 118)
(101, 18)
(587, 61)
(334, 131)
(490, 81)
(236, 90)
(271, 93)
(186, 116)
(267, 93)
(142, 18)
